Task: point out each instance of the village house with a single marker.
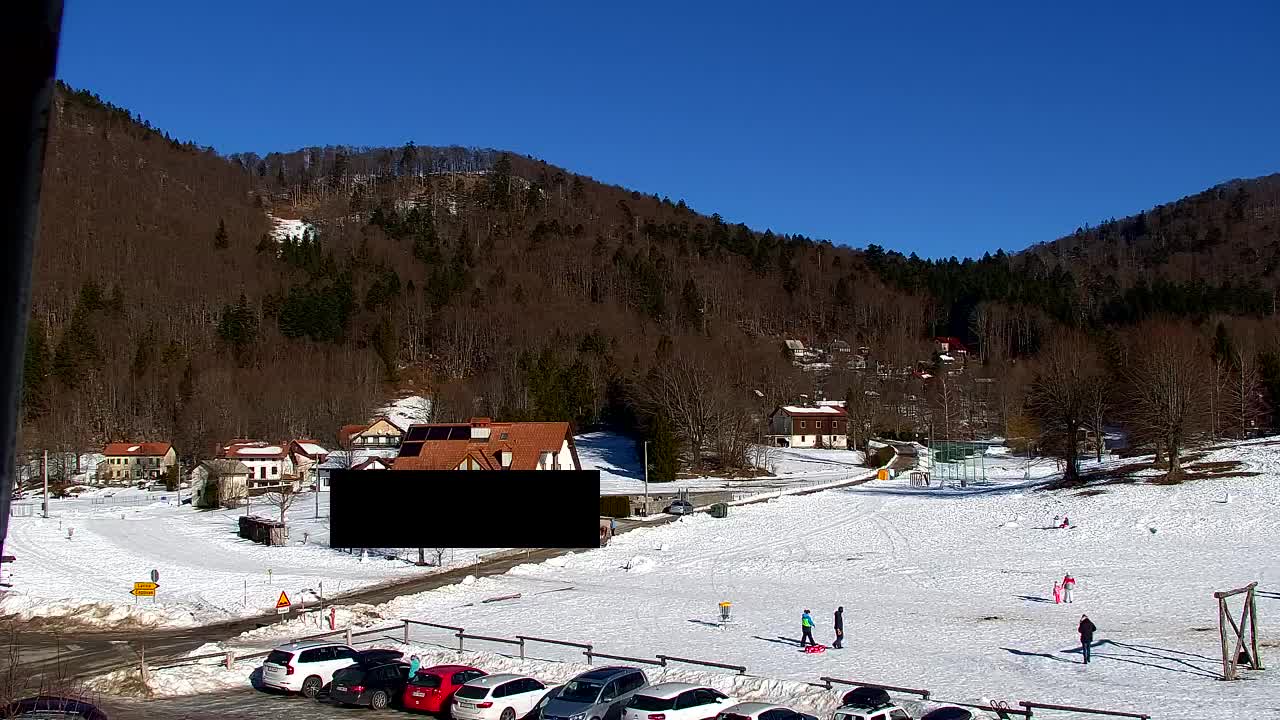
(381, 433)
(375, 459)
(127, 463)
(307, 456)
(823, 425)
(482, 444)
(219, 483)
(269, 464)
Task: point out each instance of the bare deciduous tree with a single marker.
(281, 499)
(1061, 392)
(1167, 399)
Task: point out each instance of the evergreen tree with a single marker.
(220, 239)
(664, 450)
(35, 371)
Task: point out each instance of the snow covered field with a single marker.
(948, 590)
(622, 470)
(207, 573)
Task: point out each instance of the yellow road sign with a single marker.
(283, 602)
(145, 586)
(143, 592)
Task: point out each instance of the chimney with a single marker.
(480, 429)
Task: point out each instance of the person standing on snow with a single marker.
(839, 643)
(806, 629)
(1086, 636)
(1057, 592)
(1068, 587)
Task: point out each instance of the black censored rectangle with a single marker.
(465, 508)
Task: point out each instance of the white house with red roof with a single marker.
(269, 464)
(307, 456)
(797, 426)
(129, 462)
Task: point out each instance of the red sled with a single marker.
(811, 649)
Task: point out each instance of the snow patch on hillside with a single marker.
(406, 411)
(284, 228)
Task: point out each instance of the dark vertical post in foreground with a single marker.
(30, 42)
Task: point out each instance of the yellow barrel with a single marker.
(884, 473)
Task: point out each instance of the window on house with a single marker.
(804, 438)
(817, 424)
(803, 424)
(275, 471)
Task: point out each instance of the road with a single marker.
(49, 654)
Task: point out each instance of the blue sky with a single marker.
(943, 128)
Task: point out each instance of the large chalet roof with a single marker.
(142, 449)
(820, 411)
(445, 446)
(253, 450)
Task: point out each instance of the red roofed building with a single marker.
(126, 462)
(950, 346)
(806, 427)
(482, 444)
(381, 433)
(269, 464)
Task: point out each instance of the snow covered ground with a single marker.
(406, 411)
(283, 229)
(207, 573)
(945, 589)
(622, 469)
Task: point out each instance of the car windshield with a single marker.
(580, 691)
(425, 680)
(645, 702)
(472, 692)
(279, 657)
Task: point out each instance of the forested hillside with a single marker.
(166, 307)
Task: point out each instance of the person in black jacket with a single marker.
(1086, 629)
(839, 643)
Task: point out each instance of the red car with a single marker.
(433, 687)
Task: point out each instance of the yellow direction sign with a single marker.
(283, 603)
(144, 589)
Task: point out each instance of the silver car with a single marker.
(598, 694)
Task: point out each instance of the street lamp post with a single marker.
(646, 477)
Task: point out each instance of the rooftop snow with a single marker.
(269, 450)
(822, 409)
(312, 448)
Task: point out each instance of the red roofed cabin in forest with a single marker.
(805, 427)
(951, 346)
(482, 444)
(127, 462)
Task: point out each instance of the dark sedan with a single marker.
(375, 686)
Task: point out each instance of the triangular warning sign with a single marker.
(283, 602)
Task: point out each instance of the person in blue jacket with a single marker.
(806, 629)
(414, 665)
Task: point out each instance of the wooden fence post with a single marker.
(1227, 665)
(1253, 631)
(348, 637)
(460, 634)
(406, 632)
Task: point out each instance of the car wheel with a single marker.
(311, 687)
(508, 714)
(378, 701)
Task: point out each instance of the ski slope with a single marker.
(949, 590)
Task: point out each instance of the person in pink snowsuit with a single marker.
(1057, 592)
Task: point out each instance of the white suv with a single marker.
(305, 667)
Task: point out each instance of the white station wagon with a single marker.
(504, 696)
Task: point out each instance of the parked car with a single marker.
(679, 507)
(432, 689)
(305, 667)
(762, 711)
(505, 696)
(865, 696)
(599, 694)
(948, 713)
(51, 706)
(885, 712)
(374, 685)
(377, 656)
(677, 701)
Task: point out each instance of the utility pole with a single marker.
(646, 477)
(44, 476)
